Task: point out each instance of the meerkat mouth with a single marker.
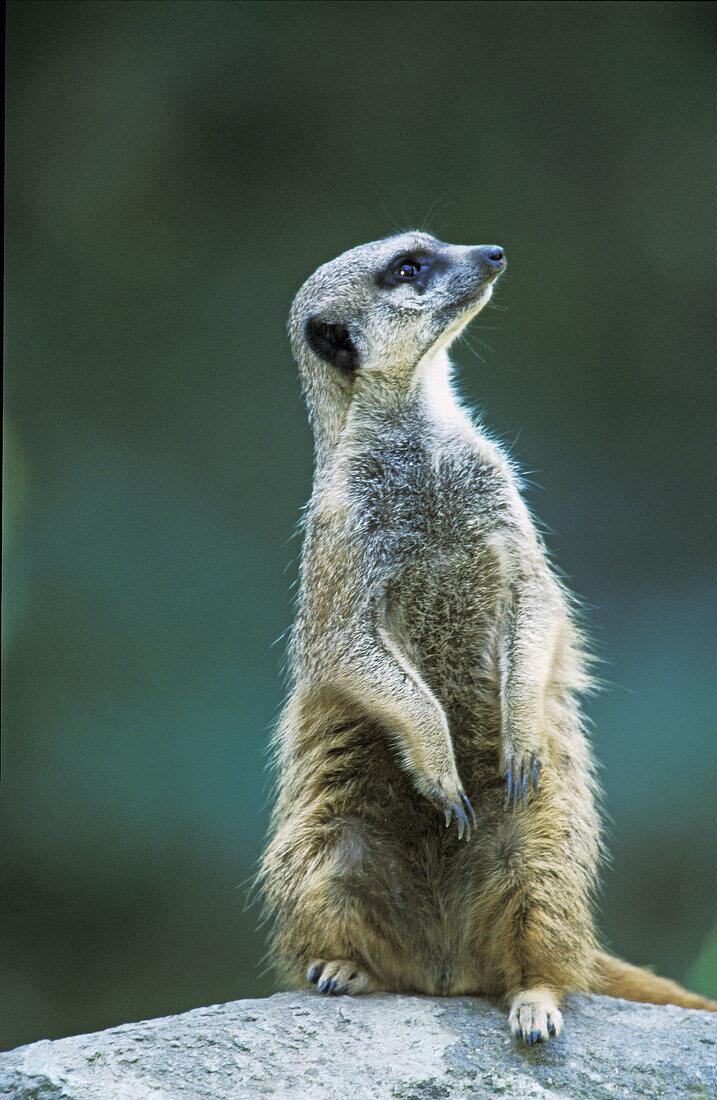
(459, 314)
(473, 300)
(465, 308)
(485, 296)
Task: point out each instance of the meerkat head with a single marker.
(366, 322)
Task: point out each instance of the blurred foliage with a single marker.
(174, 172)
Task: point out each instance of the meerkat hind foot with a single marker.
(338, 976)
(535, 1016)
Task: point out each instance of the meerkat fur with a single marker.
(435, 829)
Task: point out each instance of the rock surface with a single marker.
(401, 1048)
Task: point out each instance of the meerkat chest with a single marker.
(428, 519)
(426, 506)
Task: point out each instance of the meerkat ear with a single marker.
(331, 341)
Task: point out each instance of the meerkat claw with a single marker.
(521, 774)
(465, 820)
(471, 811)
(453, 811)
(337, 977)
(462, 823)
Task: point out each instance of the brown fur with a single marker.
(616, 978)
(435, 658)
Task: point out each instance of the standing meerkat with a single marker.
(435, 829)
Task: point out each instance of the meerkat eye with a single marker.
(407, 270)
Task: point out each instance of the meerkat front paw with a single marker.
(521, 772)
(535, 1016)
(337, 977)
(454, 804)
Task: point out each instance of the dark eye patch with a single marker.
(400, 270)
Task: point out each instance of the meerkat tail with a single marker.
(616, 978)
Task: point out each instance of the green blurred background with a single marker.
(174, 172)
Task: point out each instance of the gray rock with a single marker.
(367, 1048)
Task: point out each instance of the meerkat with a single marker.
(435, 829)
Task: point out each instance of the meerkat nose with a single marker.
(489, 257)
